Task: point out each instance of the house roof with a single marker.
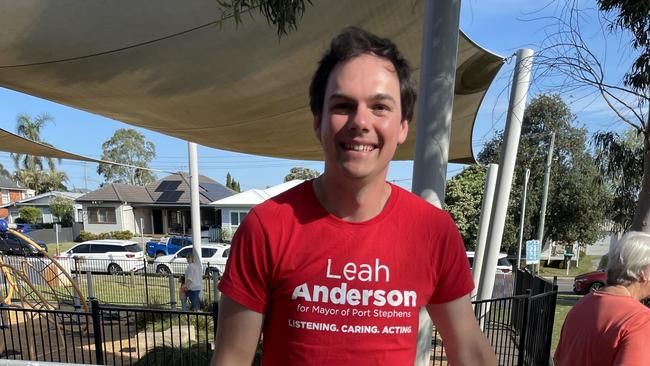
(7, 183)
(201, 77)
(27, 201)
(254, 197)
(173, 189)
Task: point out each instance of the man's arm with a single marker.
(463, 340)
(238, 331)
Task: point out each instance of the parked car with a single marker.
(169, 245)
(13, 245)
(503, 264)
(112, 256)
(212, 255)
(25, 228)
(588, 282)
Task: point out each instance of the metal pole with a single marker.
(507, 160)
(547, 177)
(195, 208)
(89, 285)
(172, 292)
(56, 234)
(435, 105)
(523, 216)
(483, 226)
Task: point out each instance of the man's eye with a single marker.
(381, 108)
(342, 107)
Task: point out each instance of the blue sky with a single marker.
(501, 26)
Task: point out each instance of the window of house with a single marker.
(5, 197)
(236, 217)
(101, 215)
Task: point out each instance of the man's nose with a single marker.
(359, 119)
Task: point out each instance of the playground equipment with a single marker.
(38, 282)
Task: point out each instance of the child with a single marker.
(182, 293)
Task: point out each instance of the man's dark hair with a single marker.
(353, 42)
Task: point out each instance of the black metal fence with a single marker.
(133, 282)
(519, 328)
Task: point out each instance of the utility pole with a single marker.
(547, 176)
(85, 179)
(522, 216)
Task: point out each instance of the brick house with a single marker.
(10, 191)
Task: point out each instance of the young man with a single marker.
(334, 271)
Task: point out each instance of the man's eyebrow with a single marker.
(378, 96)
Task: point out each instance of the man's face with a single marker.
(361, 123)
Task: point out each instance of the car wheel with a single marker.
(595, 286)
(163, 270)
(114, 269)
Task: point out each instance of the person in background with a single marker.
(611, 326)
(194, 282)
(182, 293)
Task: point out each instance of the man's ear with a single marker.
(404, 131)
(317, 125)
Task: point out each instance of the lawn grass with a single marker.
(564, 304)
(51, 247)
(584, 267)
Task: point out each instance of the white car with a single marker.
(503, 264)
(212, 256)
(112, 256)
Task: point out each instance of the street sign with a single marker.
(533, 251)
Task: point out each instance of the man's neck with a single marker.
(353, 201)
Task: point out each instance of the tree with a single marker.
(29, 215)
(232, 183)
(30, 128)
(301, 173)
(4, 173)
(573, 212)
(572, 65)
(41, 181)
(620, 162)
(129, 147)
(464, 195)
(63, 209)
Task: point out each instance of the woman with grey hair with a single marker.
(612, 326)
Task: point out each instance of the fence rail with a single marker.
(519, 328)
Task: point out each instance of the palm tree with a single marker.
(30, 128)
(4, 172)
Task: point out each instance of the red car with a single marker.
(588, 282)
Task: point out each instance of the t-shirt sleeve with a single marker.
(632, 349)
(453, 278)
(246, 278)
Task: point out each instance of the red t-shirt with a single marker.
(337, 293)
(605, 329)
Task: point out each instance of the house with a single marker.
(234, 208)
(158, 208)
(10, 192)
(42, 202)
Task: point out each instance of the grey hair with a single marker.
(628, 259)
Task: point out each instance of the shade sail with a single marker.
(166, 66)
(16, 144)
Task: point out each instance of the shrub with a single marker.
(29, 215)
(121, 235)
(85, 236)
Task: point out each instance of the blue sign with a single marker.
(533, 251)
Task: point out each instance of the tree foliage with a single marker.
(285, 15)
(463, 198)
(63, 209)
(127, 146)
(30, 128)
(4, 172)
(29, 215)
(301, 173)
(232, 183)
(620, 162)
(577, 199)
(41, 181)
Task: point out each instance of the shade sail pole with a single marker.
(194, 202)
(435, 104)
(507, 158)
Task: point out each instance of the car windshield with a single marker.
(133, 248)
(504, 262)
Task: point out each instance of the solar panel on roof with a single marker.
(215, 191)
(169, 196)
(168, 185)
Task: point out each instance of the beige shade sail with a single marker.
(16, 144)
(169, 67)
